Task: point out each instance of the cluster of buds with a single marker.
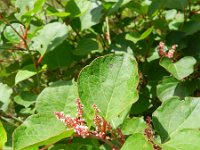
(170, 53)
(148, 132)
(76, 123)
(102, 127)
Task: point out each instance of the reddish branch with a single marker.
(148, 132)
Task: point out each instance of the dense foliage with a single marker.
(120, 74)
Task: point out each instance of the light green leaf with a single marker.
(174, 115)
(39, 130)
(91, 16)
(37, 7)
(5, 93)
(180, 69)
(23, 6)
(186, 139)
(89, 12)
(110, 82)
(11, 35)
(170, 87)
(85, 46)
(25, 99)
(59, 96)
(135, 37)
(25, 73)
(137, 141)
(133, 125)
(58, 14)
(3, 136)
(49, 37)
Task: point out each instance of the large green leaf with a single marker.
(39, 130)
(180, 69)
(60, 57)
(49, 37)
(11, 35)
(85, 46)
(59, 96)
(5, 93)
(3, 136)
(133, 125)
(175, 115)
(170, 87)
(186, 139)
(25, 73)
(137, 141)
(110, 82)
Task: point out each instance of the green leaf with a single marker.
(23, 6)
(5, 93)
(170, 87)
(58, 14)
(61, 56)
(137, 141)
(37, 7)
(3, 136)
(118, 4)
(180, 69)
(49, 37)
(186, 139)
(59, 96)
(175, 115)
(25, 99)
(171, 4)
(135, 37)
(133, 125)
(91, 16)
(11, 35)
(39, 130)
(85, 46)
(25, 73)
(191, 27)
(110, 82)
(89, 13)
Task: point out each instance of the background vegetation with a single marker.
(105, 52)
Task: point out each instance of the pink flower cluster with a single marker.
(102, 127)
(76, 123)
(170, 53)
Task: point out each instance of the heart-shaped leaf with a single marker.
(187, 139)
(180, 69)
(49, 37)
(175, 115)
(110, 82)
(137, 141)
(39, 130)
(170, 87)
(59, 96)
(25, 73)
(133, 125)
(11, 35)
